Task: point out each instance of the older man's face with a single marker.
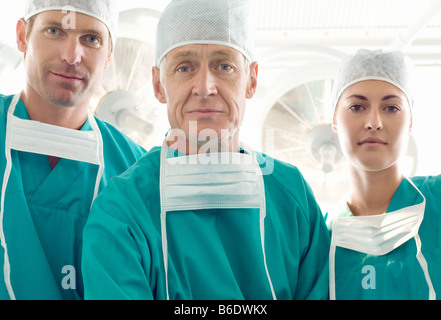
(207, 84)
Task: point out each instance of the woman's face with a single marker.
(373, 121)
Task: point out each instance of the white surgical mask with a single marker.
(35, 137)
(211, 181)
(379, 235)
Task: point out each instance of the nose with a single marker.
(72, 51)
(373, 121)
(205, 83)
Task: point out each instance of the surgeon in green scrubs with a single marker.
(55, 158)
(386, 236)
(204, 216)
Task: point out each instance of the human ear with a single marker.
(21, 35)
(157, 85)
(252, 81)
(109, 58)
(334, 123)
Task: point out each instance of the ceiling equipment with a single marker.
(9, 57)
(126, 98)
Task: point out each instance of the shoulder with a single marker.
(430, 186)
(137, 187)
(144, 172)
(5, 101)
(114, 138)
(286, 175)
(433, 182)
(151, 160)
(287, 181)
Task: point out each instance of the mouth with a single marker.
(205, 112)
(68, 77)
(371, 141)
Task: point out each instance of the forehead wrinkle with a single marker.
(195, 52)
(186, 53)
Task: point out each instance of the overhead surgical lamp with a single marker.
(9, 57)
(121, 109)
(323, 146)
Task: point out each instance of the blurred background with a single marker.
(299, 44)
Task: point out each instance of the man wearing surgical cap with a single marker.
(204, 216)
(56, 156)
(386, 234)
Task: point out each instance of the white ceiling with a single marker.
(338, 14)
(334, 22)
(285, 29)
(346, 25)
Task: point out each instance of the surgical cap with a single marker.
(393, 67)
(104, 10)
(223, 22)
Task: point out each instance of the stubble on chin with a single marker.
(63, 94)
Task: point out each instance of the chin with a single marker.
(63, 104)
(375, 166)
(66, 100)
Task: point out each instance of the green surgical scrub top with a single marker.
(398, 274)
(212, 253)
(46, 210)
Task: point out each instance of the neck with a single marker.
(227, 143)
(42, 111)
(372, 191)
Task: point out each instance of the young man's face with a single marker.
(65, 65)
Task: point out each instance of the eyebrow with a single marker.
(360, 97)
(357, 96)
(86, 31)
(222, 54)
(225, 54)
(392, 96)
(185, 53)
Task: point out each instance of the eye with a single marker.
(53, 31)
(92, 40)
(225, 67)
(392, 109)
(356, 107)
(184, 69)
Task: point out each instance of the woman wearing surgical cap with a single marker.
(386, 239)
